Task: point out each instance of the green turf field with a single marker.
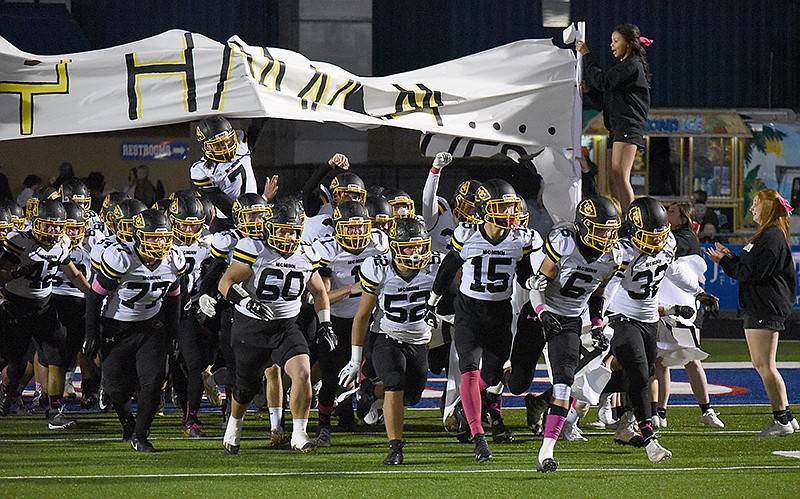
(736, 351)
(94, 462)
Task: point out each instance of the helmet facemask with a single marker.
(416, 260)
(48, 231)
(187, 231)
(353, 234)
(650, 242)
(278, 236)
(250, 220)
(600, 236)
(503, 213)
(76, 231)
(402, 207)
(351, 192)
(222, 147)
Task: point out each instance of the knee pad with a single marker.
(561, 391)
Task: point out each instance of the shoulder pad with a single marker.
(560, 241)
(178, 260)
(115, 260)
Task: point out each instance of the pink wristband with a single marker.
(539, 309)
(435, 170)
(597, 321)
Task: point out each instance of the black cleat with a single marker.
(549, 465)
(500, 433)
(141, 444)
(535, 409)
(395, 455)
(482, 451)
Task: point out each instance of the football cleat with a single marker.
(776, 429)
(193, 430)
(301, 442)
(656, 453)
(572, 433)
(549, 465)
(500, 433)
(128, 428)
(659, 422)
(710, 419)
(324, 436)
(482, 451)
(395, 455)
(535, 408)
(57, 421)
(211, 390)
(795, 424)
(141, 444)
(628, 431)
(103, 400)
(279, 439)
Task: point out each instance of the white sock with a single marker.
(233, 432)
(546, 450)
(299, 426)
(572, 416)
(275, 415)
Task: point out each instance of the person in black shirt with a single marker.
(626, 102)
(766, 275)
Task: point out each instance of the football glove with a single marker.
(257, 308)
(442, 159)
(682, 311)
(326, 337)
(24, 270)
(710, 301)
(550, 324)
(537, 281)
(207, 305)
(599, 340)
(349, 373)
(91, 346)
(430, 316)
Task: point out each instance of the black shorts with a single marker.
(483, 336)
(755, 322)
(401, 366)
(627, 135)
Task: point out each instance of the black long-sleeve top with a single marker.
(626, 92)
(766, 275)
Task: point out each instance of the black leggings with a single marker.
(634, 346)
(196, 345)
(333, 362)
(528, 345)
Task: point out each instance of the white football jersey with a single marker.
(400, 310)
(223, 243)
(195, 255)
(633, 291)
(43, 264)
(79, 257)
(277, 280)
(317, 227)
(233, 178)
(344, 268)
(96, 254)
(489, 267)
(568, 294)
(442, 231)
(140, 289)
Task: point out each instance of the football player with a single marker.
(316, 193)
(119, 222)
(137, 280)
(345, 186)
(341, 257)
(17, 214)
(380, 213)
(579, 258)
(490, 254)
(401, 203)
(33, 259)
(264, 282)
(110, 202)
(399, 287)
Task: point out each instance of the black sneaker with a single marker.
(192, 429)
(57, 421)
(482, 451)
(535, 409)
(324, 436)
(141, 444)
(128, 428)
(500, 432)
(549, 465)
(395, 455)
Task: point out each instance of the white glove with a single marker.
(537, 281)
(349, 373)
(207, 305)
(442, 159)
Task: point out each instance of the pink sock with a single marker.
(471, 400)
(552, 426)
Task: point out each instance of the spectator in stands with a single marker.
(96, 183)
(709, 223)
(29, 185)
(65, 172)
(5, 189)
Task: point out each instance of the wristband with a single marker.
(237, 294)
(435, 170)
(539, 309)
(355, 353)
(324, 315)
(433, 299)
(597, 322)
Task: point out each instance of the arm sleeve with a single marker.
(216, 267)
(220, 200)
(617, 76)
(447, 272)
(94, 303)
(430, 205)
(311, 200)
(524, 270)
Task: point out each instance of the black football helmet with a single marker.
(49, 222)
(208, 209)
(497, 203)
(110, 202)
(152, 234)
(6, 224)
(410, 243)
(249, 211)
(463, 203)
(75, 227)
(17, 214)
(598, 224)
(347, 186)
(401, 202)
(647, 225)
(75, 190)
(283, 228)
(38, 196)
(187, 217)
(352, 226)
(162, 205)
(380, 213)
(122, 218)
(524, 213)
(218, 139)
